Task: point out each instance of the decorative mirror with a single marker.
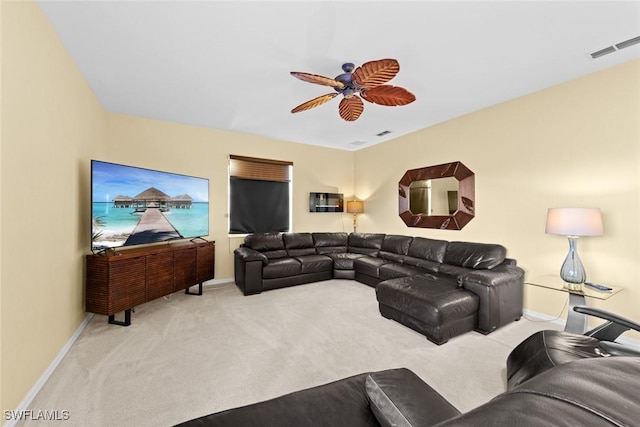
(441, 196)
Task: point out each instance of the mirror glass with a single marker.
(440, 196)
(434, 196)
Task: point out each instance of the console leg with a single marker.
(126, 322)
(576, 322)
(188, 292)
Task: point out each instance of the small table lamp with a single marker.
(573, 223)
(355, 207)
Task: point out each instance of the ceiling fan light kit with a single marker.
(368, 81)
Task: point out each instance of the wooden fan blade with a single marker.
(314, 102)
(319, 80)
(350, 108)
(374, 73)
(388, 95)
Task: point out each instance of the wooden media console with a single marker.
(119, 280)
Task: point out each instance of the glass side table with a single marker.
(576, 322)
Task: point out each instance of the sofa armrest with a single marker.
(494, 277)
(398, 397)
(501, 293)
(247, 254)
(247, 265)
(509, 262)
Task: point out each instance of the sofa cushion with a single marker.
(394, 247)
(390, 256)
(365, 243)
(330, 242)
(396, 244)
(474, 255)
(343, 261)
(423, 264)
(369, 265)
(431, 300)
(398, 397)
(282, 267)
(315, 263)
(299, 244)
(394, 270)
(453, 271)
(428, 249)
(270, 244)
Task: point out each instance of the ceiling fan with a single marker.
(367, 80)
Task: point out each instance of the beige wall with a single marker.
(51, 126)
(1, 157)
(574, 145)
(205, 152)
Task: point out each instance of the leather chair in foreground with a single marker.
(545, 349)
(589, 392)
(577, 387)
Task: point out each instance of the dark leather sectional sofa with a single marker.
(438, 288)
(589, 392)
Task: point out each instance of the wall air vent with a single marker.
(383, 133)
(615, 48)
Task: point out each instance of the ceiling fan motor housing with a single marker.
(350, 87)
(348, 67)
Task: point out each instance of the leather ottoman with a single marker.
(434, 307)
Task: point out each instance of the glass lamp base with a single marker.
(572, 270)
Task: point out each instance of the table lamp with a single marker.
(573, 223)
(355, 207)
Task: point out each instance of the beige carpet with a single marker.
(187, 356)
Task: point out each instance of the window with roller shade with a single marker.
(259, 195)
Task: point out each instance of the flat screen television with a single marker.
(135, 206)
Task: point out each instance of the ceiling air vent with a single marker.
(603, 52)
(383, 133)
(357, 143)
(615, 48)
(628, 43)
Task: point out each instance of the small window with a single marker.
(259, 195)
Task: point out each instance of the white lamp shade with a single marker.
(355, 206)
(574, 221)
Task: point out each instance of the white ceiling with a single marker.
(226, 64)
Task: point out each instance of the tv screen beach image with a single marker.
(133, 206)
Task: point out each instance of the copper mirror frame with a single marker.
(466, 197)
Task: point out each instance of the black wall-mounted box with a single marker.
(326, 202)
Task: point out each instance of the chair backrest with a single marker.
(587, 392)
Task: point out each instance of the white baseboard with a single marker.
(631, 342)
(218, 282)
(47, 373)
(544, 317)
